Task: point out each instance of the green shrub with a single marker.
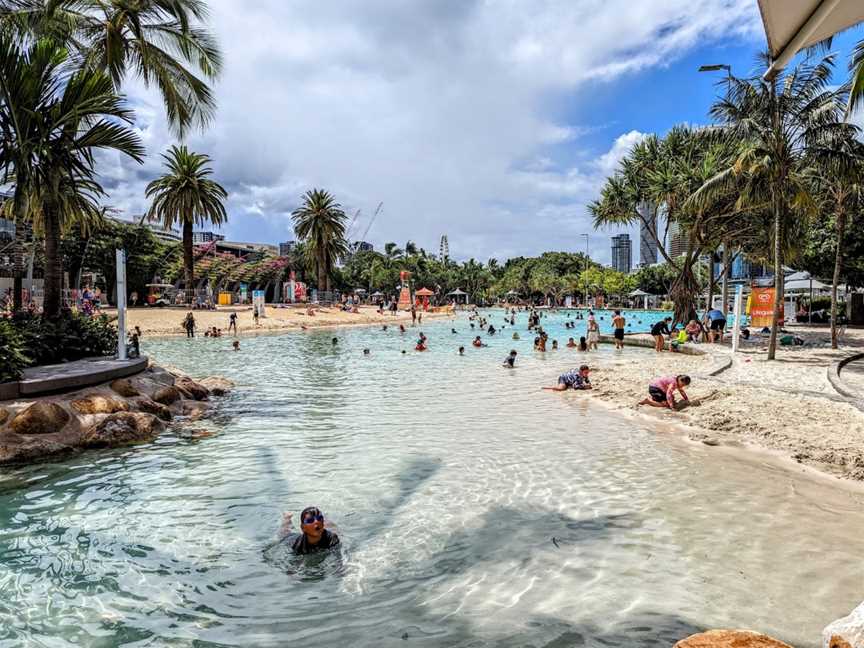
(71, 336)
(12, 356)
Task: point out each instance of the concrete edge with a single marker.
(837, 382)
(722, 365)
(722, 362)
(37, 387)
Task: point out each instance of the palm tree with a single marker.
(392, 251)
(839, 183)
(159, 42)
(320, 222)
(187, 195)
(779, 121)
(51, 125)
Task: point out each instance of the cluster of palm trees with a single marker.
(779, 154)
(63, 64)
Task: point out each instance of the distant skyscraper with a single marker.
(647, 234)
(206, 237)
(287, 248)
(621, 253)
(444, 248)
(676, 241)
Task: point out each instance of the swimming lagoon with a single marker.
(474, 510)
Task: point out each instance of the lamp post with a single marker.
(586, 268)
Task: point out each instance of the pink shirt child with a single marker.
(668, 384)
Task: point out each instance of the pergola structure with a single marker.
(793, 25)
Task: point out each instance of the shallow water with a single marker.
(474, 511)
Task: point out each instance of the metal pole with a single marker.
(121, 304)
(587, 257)
(736, 324)
(810, 308)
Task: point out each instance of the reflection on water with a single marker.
(473, 510)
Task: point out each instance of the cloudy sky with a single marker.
(491, 121)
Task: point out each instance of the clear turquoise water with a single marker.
(474, 510)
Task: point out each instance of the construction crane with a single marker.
(372, 220)
(350, 227)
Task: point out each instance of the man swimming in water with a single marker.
(313, 536)
(510, 360)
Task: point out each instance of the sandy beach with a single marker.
(168, 321)
(786, 405)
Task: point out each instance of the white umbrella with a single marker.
(457, 292)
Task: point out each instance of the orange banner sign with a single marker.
(762, 307)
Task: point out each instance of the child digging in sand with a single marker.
(573, 379)
(661, 391)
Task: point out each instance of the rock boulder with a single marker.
(99, 404)
(4, 414)
(730, 639)
(847, 632)
(123, 386)
(167, 395)
(144, 404)
(43, 417)
(121, 429)
(218, 386)
(194, 389)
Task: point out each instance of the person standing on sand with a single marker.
(618, 323)
(661, 391)
(255, 316)
(232, 323)
(660, 329)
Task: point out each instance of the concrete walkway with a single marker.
(69, 376)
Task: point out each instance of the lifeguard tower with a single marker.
(405, 292)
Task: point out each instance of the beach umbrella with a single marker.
(641, 293)
(458, 293)
(424, 292)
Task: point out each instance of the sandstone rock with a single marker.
(194, 410)
(99, 404)
(167, 395)
(730, 639)
(122, 428)
(847, 632)
(217, 385)
(195, 390)
(123, 386)
(4, 414)
(43, 417)
(152, 407)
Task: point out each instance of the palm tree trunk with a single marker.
(778, 282)
(838, 266)
(53, 283)
(322, 274)
(709, 304)
(188, 260)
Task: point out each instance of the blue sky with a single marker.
(491, 121)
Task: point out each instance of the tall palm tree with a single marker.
(187, 195)
(51, 125)
(838, 175)
(160, 42)
(778, 122)
(320, 222)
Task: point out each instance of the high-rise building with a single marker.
(676, 241)
(287, 248)
(647, 234)
(621, 253)
(206, 237)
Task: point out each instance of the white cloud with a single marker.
(448, 112)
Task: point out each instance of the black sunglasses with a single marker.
(313, 518)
